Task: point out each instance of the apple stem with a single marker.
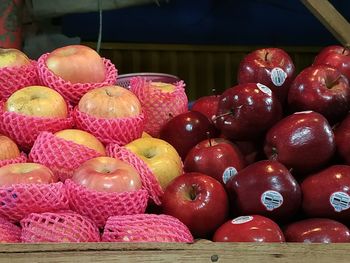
(223, 115)
(345, 49)
(213, 90)
(267, 53)
(274, 154)
(193, 192)
(330, 85)
(209, 138)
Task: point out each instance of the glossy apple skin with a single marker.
(342, 138)
(207, 105)
(213, 157)
(26, 173)
(303, 141)
(197, 200)
(253, 228)
(322, 89)
(246, 112)
(318, 189)
(107, 174)
(258, 65)
(335, 56)
(76, 64)
(187, 129)
(110, 102)
(248, 188)
(317, 230)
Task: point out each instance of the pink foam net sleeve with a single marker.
(116, 130)
(25, 129)
(9, 232)
(15, 78)
(72, 92)
(62, 226)
(159, 107)
(149, 181)
(146, 228)
(22, 158)
(60, 155)
(100, 205)
(19, 200)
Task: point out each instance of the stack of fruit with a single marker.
(265, 161)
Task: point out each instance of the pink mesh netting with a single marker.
(73, 91)
(15, 78)
(159, 106)
(117, 130)
(60, 155)
(62, 226)
(149, 181)
(98, 206)
(20, 159)
(25, 129)
(9, 232)
(19, 200)
(146, 228)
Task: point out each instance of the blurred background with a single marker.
(201, 41)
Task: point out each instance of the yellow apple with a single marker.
(38, 101)
(110, 102)
(8, 148)
(82, 138)
(162, 158)
(77, 64)
(11, 57)
(164, 87)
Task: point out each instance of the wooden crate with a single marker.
(200, 252)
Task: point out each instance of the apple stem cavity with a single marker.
(266, 54)
(331, 84)
(209, 138)
(193, 191)
(344, 50)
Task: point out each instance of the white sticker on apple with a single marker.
(278, 76)
(303, 112)
(271, 200)
(340, 201)
(228, 173)
(241, 220)
(264, 89)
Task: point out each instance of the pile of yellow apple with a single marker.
(46, 139)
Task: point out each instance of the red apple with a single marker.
(187, 129)
(335, 56)
(77, 64)
(322, 89)
(254, 228)
(342, 138)
(208, 105)
(317, 230)
(107, 174)
(197, 200)
(266, 188)
(247, 111)
(252, 150)
(272, 67)
(327, 193)
(26, 173)
(110, 102)
(218, 158)
(303, 141)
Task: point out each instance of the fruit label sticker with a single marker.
(278, 76)
(241, 220)
(340, 201)
(264, 89)
(228, 173)
(271, 200)
(303, 112)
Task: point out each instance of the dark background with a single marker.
(233, 22)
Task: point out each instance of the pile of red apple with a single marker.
(268, 160)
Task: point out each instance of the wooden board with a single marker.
(324, 11)
(170, 252)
